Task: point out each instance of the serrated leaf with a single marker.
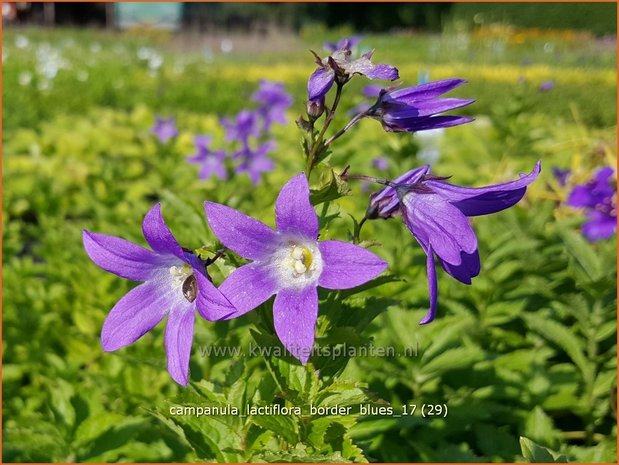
(331, 188)
(566, 340)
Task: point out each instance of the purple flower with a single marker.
(546, 86)
(273, 102)
(244, 126)
(289, 262)
(561, 175)
(414, 108)
(435, 213)
(255, 162)
(345, 43)
(164, 129)
(174, 284)
(380, 163)
(341, 66)
(211, 162)
(599, 199)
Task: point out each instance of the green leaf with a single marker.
(534, 453)
(566, 340)
(583, 253)
(331, 188)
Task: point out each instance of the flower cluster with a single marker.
(290, 262)
(248, 133)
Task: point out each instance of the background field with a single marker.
(528, 350)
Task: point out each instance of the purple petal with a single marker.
(436, 222)
(600, 226)
(382, 71)
(121, 257)
(582, 196)
(469, 268)
(178, 339)
(385, 203)
(319, 83)
(244, 235)
(432, 287)
(247, 287)
(393, 123)
(135, 314)
(427, 108)
(294, 317)
(411, 95)
(474, 201)
(158, 235)
(294, 213)
(347, 265)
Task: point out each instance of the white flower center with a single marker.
(296, 263)
(182, 276)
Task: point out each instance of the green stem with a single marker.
(317, 145)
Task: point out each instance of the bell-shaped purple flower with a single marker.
(289, 262)
(174, 284)
(599, 199)
(415, 108)
(436, 214)
(340, 65)
(244, 126)
(210, 162)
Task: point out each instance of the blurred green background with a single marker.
(529, 350)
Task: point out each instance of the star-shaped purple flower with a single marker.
(165, 129)
(244, 126)
(273, 102)
(415, 108)
(211, 162)
(339, 65)
(598, 198)
(174, 284)
(289, 262)
(436, 213)
(255, 162)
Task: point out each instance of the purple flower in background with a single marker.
(546, 86)
(174, 284)
(273, 102)
(244, 126)
(380, 163)
(599, 199)
(211, 162)
(340, 65)
(255, 162)
(345, 43)
(289, 262)
(414, 108)
(436, 213)
(164, 129)
(561, 175)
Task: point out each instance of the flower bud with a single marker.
(315, 108)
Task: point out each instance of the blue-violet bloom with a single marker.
(339, 65)
(289, 262)
(165, 129)
(211, 162)
(436, 214)
(599, 199)
(273, 102)
(174, 284)
(414, 108)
